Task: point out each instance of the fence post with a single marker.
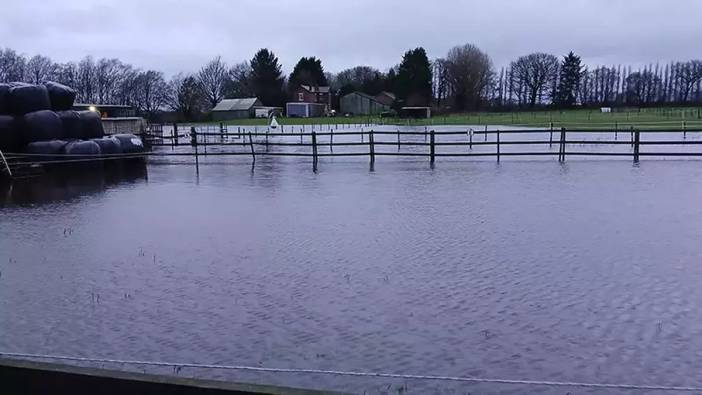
(425, 134)
(432, 150)
(174, 140)
(314, 151)
(193, 142)
(398, 140)
(253, 153)
(485, 132)
(498, 145)
(331, 140)
(550, 136)
(371, 146)
(470, 138)
(267, 131)
(631, 132)
(636, 146)
(563, 144)
(684, 127)
(616, 129)
(221, 131)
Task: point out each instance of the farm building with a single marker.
(309, 101)
(386, 98)
(305, 110)
(107, 110)
(361, 104)
(235, 109)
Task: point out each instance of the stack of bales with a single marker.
(37, 119)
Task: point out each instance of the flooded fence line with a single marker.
(372, 143)
(376, 142)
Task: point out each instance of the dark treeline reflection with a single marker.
(66, 183)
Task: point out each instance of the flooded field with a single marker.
(585, 271)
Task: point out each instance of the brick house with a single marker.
(313, 94)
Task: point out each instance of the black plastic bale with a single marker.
(72, 125)
(10, 136)
(44, 151)
(131, 144)
(25, 98)
(60, 96)
(109, 145)
(41, 125)
(5, 99)
(83, 149)
(91, 124)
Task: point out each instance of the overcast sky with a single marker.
(174, 36)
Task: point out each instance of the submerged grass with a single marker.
(673, 118)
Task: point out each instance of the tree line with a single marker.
(463, 80)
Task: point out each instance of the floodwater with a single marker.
(586, 271)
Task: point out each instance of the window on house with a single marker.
(300, 96)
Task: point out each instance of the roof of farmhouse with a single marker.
(235, 104)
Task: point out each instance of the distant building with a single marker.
(360, 103)
(386, 98)
(309, 101)
(236, 109)
(305, 110)
(416, 112)
(107, 110)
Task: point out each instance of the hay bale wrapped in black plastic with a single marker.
(91, 124)
(25, 98)
(72, 125)
(82, 149)
(82, 153)
(41, 125)
(60, 96)
(5, 99)
(45, 151)
(10, 136)
(109, 145)
(131, 144)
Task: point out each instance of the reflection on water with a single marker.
(584, 271)
(70, 182)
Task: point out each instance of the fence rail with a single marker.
(200, 140)
(372, 143)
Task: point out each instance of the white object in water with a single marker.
(274, 123)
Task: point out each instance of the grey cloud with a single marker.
(178, 36)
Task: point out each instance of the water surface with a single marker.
(583, 271)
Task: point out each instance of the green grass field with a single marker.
(644, 118)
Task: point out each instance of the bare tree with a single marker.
(107, 76)
(39, 69)
(185, 96)
(66, 73)
(535, 72)
(152, 92)
(641, 86)
(238, 82)
(468, 70)
(12, 66)
(440, 84)
(85, 86)
(690, 73)
(212, 78)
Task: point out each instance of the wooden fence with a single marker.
(367, 143)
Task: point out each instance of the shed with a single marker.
(235, 109)
(361, 103)
(416, 112)
(107, 110)
(304, 110)
(387, 98)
